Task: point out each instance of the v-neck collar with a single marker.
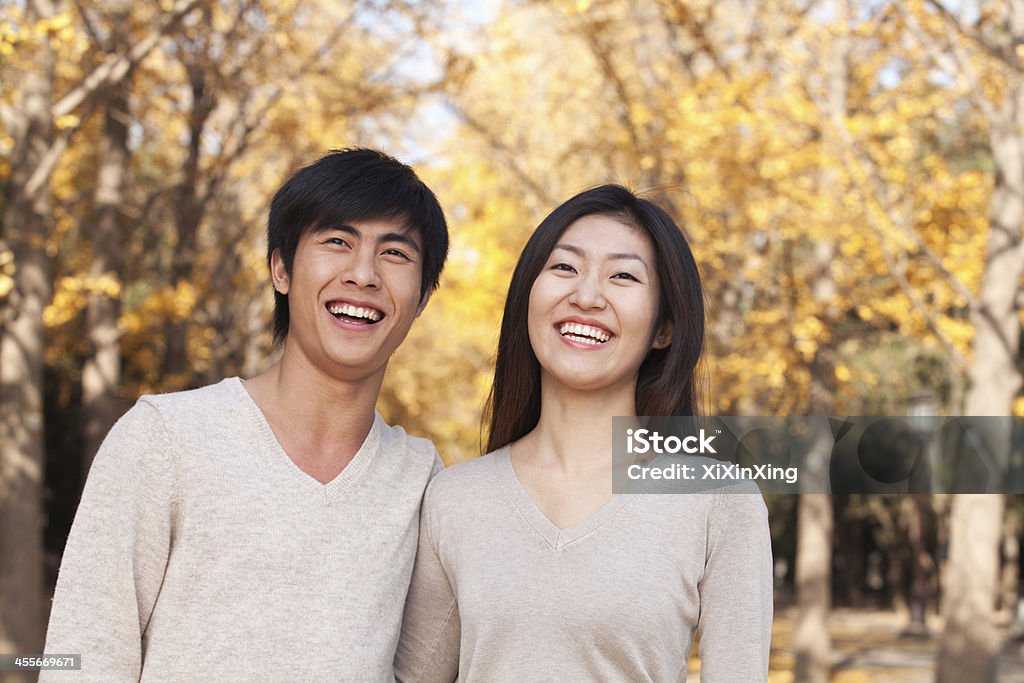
(283, 468)
(556, 537)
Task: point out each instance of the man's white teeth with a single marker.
(583, 333)
(355, 312)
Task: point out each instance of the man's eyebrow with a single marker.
(340, 227)
(618, 256)
(401, 238)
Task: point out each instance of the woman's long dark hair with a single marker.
(667, 382)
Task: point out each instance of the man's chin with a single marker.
(351, 368)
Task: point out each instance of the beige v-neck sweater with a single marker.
(499, 593)
(201, 552)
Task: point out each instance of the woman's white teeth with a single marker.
(583, 333)
(355, 312)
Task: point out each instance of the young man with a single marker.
(266, 529)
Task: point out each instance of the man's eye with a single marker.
(396, 252)
(337, 241)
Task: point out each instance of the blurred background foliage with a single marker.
(836, 165)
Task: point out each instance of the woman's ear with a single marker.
(278, 272)
(663, 338)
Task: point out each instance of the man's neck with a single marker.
(320, 421)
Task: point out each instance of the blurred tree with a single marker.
(31, 111)
(815, 511)
(26, 217)
(101, 372)
(987, 57)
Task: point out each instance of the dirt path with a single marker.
(871, 647)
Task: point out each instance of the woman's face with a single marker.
(594, 306)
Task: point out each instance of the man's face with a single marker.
(353, 292)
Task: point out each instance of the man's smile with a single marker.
(354, 313)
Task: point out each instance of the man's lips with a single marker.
(354, 312)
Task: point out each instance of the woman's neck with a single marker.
(574, 432)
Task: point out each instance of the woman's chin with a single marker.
(588, 380)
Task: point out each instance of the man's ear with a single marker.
(663, 338)
(278, 272)
(423, 302)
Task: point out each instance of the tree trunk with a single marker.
(814, 510)
(101, 375)
(970, 640)
(1010, 580)
(813, 582)
(812, 641)
(25, 224)
(189, 209)
(920, 565)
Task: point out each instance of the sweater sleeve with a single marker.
(116, 554)
(428, 649)
(736, 591)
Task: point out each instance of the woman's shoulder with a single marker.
(472, 477)
(709, 494)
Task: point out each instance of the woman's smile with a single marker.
(587, 334)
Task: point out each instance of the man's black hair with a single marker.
(348, 186)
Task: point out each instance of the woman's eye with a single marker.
(625, 276)
(565, 267)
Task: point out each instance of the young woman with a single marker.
(529, 568)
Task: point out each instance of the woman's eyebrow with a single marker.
(628, 255)
(617, 256)
(570, 248)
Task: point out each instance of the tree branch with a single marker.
(87, 22)
(963, 65)
(53, 154)
(604, 60)
(511, 158)
(697, 30)
(13, 121)
(1009, 60)
(959, 360)
(854, 162)
(113, 70)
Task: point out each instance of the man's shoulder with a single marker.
(226, 394)
(196, 413)
(395, 441)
